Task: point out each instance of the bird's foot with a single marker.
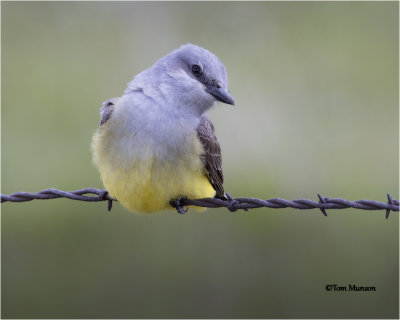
(178, 204)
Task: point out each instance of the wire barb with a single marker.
(390, 202)
(322, 200)
(232, 204)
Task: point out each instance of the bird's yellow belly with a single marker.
(149, 186)
(145, 177)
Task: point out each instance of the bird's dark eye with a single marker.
(196, 70)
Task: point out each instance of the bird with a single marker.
(155, 144)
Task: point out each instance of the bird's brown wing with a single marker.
(107, 109)
(211, 156)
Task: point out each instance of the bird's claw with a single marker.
(178, 204)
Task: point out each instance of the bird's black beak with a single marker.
(220, 94)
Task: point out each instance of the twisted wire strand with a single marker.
(55, 193)
(232, 204)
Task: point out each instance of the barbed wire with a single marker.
(232, 204)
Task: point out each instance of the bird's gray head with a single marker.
(194, 76)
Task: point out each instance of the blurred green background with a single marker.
(316, 91)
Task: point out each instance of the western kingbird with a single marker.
(155, 142)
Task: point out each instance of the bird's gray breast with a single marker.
(145, 128)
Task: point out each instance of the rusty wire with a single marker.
(232, 204)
